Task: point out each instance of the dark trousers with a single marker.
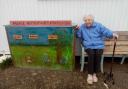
(94, 59)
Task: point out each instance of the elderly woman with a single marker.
(91, 34)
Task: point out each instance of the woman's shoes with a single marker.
(92, 78)
(95, 79)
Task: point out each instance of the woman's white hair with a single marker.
(88, 16)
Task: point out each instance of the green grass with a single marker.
(39, 55)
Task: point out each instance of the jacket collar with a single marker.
(93, 25)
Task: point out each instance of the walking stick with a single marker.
(109, 77)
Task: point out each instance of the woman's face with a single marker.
(89, 21)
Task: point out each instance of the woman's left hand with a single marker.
(115, 35)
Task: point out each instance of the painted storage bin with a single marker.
(41, 47)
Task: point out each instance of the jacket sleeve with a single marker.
(79, 33)
(106, 32)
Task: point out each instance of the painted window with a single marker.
(54, 37)
(17, 37)
(33, 36)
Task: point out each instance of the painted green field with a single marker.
(47, 57)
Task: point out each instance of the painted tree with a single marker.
(63, 39)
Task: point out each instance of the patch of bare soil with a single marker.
(22, 78)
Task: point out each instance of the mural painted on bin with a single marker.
(41, 47)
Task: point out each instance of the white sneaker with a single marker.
(90, 79)
(95, 79)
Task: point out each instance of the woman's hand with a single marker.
(115, 35)
(76, 27)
